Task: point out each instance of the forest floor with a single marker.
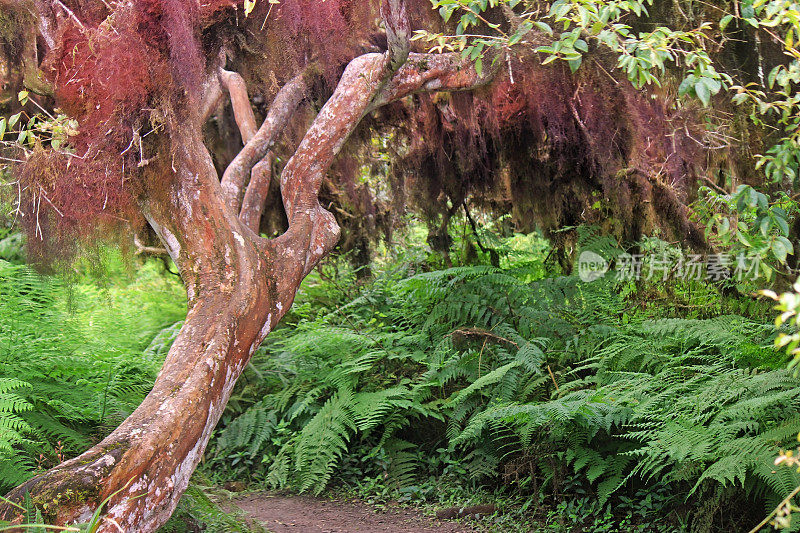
(306, 514)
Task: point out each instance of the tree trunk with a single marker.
(238, 284)
(233, 302)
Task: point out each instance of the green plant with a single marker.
(454, 376)
(73, 361)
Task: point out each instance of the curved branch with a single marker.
(311, 227)
(282, 108)
(367, 83)
(256, 194)
(242, 110)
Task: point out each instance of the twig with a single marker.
(474, 332)
(715, 186)
(775, 511)
(41, 193)
(142, 249)
(552, 377)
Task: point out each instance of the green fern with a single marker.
(71, 363)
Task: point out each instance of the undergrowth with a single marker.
(604, 406)
(627, 405)
(71, 361)
(76, 357)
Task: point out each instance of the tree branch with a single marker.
(282, 108)
(432, 72)
(312, 228)
(242, 110)
(144, 249)
(398, 31)
(256, 194)
(367, 83)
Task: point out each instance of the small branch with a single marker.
(714, 186)
(240, 101)
(550, 371)
(256, 194)
(474, 227)
(475, 332)
(212, 97)
(785, 501)
(43, 195)
(281, 110)
(151, 250)
(71, 14)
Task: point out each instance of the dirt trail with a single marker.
(305, 514)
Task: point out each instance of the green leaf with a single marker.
(782, 224)
(725, 21)
(701, 89)
(544, 27)
(787, 244)
(575, 64)
(686, 85)
(779, 250)
(476, 52)
(13, 119)
(713, 85)
(771, 77)
(744, 239)
(445, 13)
(479, 66)
(764, 226)
(724, 226)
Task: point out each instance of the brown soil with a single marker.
(305, 514)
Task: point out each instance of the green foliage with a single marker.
(75, 360)
(464, 373)
(749, 226)
(71, 363)
(200, 511)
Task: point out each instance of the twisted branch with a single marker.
(281, 110)
(242, 110)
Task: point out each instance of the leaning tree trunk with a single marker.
(239, 285)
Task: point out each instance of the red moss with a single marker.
(542, 146)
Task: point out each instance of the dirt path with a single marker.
(305, 514)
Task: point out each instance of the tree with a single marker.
(142, 80)
(239, 284)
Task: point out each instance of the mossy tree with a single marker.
(144, 80)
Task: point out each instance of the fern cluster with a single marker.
(501, 368)
(71, 361)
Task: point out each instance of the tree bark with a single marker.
(239, 286)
